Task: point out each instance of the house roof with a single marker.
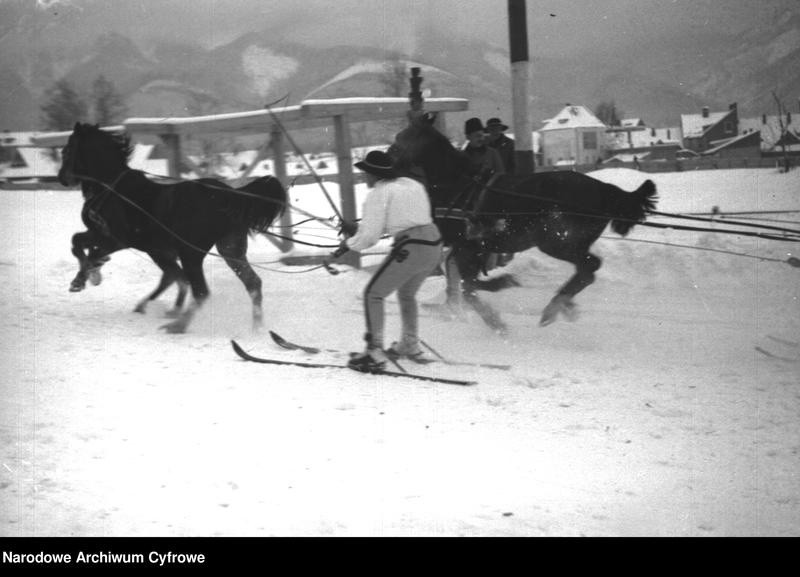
(630, 122)
(718, 145)
(573, 117)
(644, 137)
(694, 125)
(626, 157)
(770, 128)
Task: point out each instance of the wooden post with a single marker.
(172, 143)
(415, 96)
(520, 80)
(279, 164)
(347, 193)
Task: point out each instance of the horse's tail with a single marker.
(264, 201)
(634, 208)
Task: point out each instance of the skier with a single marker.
(397, 206)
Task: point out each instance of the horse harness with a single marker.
(472, 207)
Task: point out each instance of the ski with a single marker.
(283, 343)
(248, 357)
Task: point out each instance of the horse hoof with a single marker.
(140, 309)
(76, 288)
(95, 277)
(570, 312)
(559, 305)
(501, 331)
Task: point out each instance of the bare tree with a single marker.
(394, 80)
(207, 148)
(608, 113)
(394, 77)
(109, 107)
(783, 124)
(63, 108)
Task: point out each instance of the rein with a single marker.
(173, 180)
(109, 189)
(790, 235)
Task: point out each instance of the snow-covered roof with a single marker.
(694, 125)
(769, 127)
(645, 137)
(626, 157)
(573, 117)
(631, 122)
(39, 163)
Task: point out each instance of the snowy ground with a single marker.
(653, 414)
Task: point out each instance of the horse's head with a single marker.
(422, 145)
(93, 153)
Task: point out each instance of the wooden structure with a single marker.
(520, 84)
(277, 124)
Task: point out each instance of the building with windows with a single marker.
(702, 132)
(573, 136)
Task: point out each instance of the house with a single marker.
(772, 138)
(699, 131)
(747, 145)
(573, 136)
(634, 138)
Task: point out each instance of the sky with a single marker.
(555, 26)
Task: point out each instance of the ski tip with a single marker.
(277, 339)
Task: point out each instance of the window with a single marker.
(590, 141)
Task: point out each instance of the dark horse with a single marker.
(172, 223)
(561, 213)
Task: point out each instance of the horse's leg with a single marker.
(469, 265)
(180, 299)
(92, 253)
(171, 272)
(98, 256)
(453, 279)
(586, 264)
(192, 262)
(81, 241)
(233, 249)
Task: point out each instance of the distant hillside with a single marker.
(656, 82)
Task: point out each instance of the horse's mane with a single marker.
(423, 145)
(119, 141)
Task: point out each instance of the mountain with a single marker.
(669, 76)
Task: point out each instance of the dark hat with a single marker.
(378, 163)
(473, 125)
(496, 122)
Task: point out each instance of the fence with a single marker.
(680, 165)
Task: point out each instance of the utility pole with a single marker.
(520, 82)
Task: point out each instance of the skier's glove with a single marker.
(348, 228)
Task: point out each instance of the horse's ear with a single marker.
(77, 127)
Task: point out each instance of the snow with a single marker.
(652, 414)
